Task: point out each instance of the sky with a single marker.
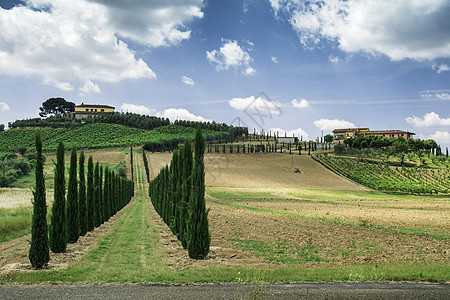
(301, 67)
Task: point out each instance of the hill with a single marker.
(94, 136)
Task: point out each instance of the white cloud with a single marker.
(441, 137)
(327, 124)
(137, 109)
(231, 55)
(274, 59)
(181, 114)
(399, 29)
(441, 68)
(4, 106)
(90, 87)
(300, 133)
(443, 96)
(154, 23)
(303, 103)
(333, 59)
(187, 80)
(72, 44)
(437, 94)
(429, 120)
(256, 103)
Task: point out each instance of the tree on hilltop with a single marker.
(56, 106)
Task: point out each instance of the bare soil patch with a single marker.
(263, 171)
(427, 219)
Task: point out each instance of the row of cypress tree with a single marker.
(88, 205)
(178, 195)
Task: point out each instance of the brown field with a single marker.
(244, 237)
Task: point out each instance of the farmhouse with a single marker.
(87, 110)
(344, 133)
(389, 133)
(288, 139)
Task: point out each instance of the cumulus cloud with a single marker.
(187, 80)
(232, 56)
(274, 59)
(399, 29)
(428, 120)
(327, 124)
(259, 104)
(440, 68)
(171, 113)
(441, 137)
(73, 44)
(181, 114)
(137, 109)
(4, 106)
(300, 133)
(154, 23)
(302, 103)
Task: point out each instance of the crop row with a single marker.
(92, 136)
(384, 177)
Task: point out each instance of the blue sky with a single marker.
(303, 67)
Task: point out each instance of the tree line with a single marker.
(178, 195)
(88, 203)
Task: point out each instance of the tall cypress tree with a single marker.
(97, 221)
(82, 196)
(185, 191)
(147, 171)
(101, 203)
(58, 226)
(73, 221)
(131, 163)
(39, 254)
(90, 195)
(106, 213)
(198, 238)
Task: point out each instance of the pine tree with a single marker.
(90, 195)
(58, 227)
(198, 238)
(73, 221)
(39, 254)
(101, 200)
(82, 197)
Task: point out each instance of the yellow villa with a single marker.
(86, 110)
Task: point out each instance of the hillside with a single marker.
(93, 136)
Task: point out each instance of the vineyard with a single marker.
(381, 176)
(93, 136)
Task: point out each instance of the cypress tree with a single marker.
(106, 213)
(39, 254)
(131, 163)
(100, 199)
(58, 226)
(73, 221)
(97, 221)
(185, 191)
(147, 171)
(198, 238)
(90, 195)
(82, 196)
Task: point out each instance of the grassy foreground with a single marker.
(132, 252)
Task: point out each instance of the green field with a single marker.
(92, 136)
